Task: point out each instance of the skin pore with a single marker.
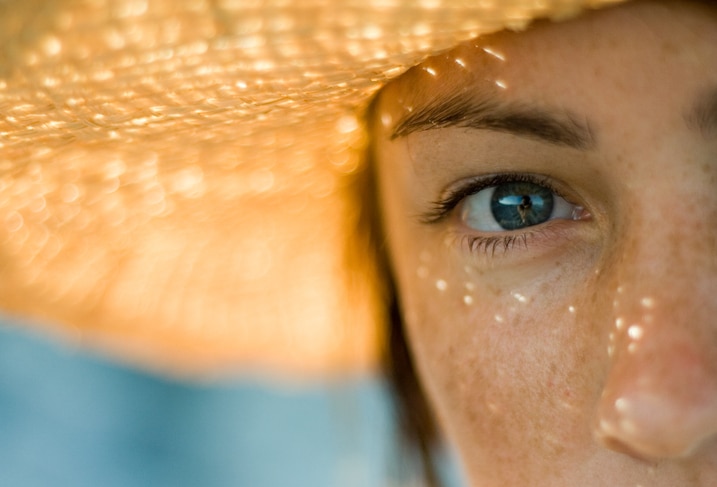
(578, 349)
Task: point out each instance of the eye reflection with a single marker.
(514, 206)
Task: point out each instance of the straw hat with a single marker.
(176, 176)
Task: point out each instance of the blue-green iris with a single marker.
(521, 204)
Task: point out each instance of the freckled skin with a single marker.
(527, 388)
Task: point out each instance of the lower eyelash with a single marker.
(492, 244)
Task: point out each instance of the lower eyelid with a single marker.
(549, 235)
(492, 244)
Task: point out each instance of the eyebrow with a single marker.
(468, 110)
(703, 116)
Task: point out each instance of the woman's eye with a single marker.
(514, 206)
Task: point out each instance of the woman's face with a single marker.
(550, 202)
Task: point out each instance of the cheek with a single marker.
(512, 367)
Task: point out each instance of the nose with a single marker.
(659, 398)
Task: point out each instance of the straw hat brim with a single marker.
(176, 175)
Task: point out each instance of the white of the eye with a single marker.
(477, 214)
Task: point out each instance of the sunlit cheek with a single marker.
(500, 362)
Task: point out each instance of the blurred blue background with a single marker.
(68, 418)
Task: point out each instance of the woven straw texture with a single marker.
(176, 175)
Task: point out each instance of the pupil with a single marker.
(526, 203)
(521, 204)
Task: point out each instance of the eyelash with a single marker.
(488, 244)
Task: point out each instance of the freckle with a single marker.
(441, 285)
(468, 300)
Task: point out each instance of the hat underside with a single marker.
(178, 178)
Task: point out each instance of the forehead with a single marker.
(640, 45)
